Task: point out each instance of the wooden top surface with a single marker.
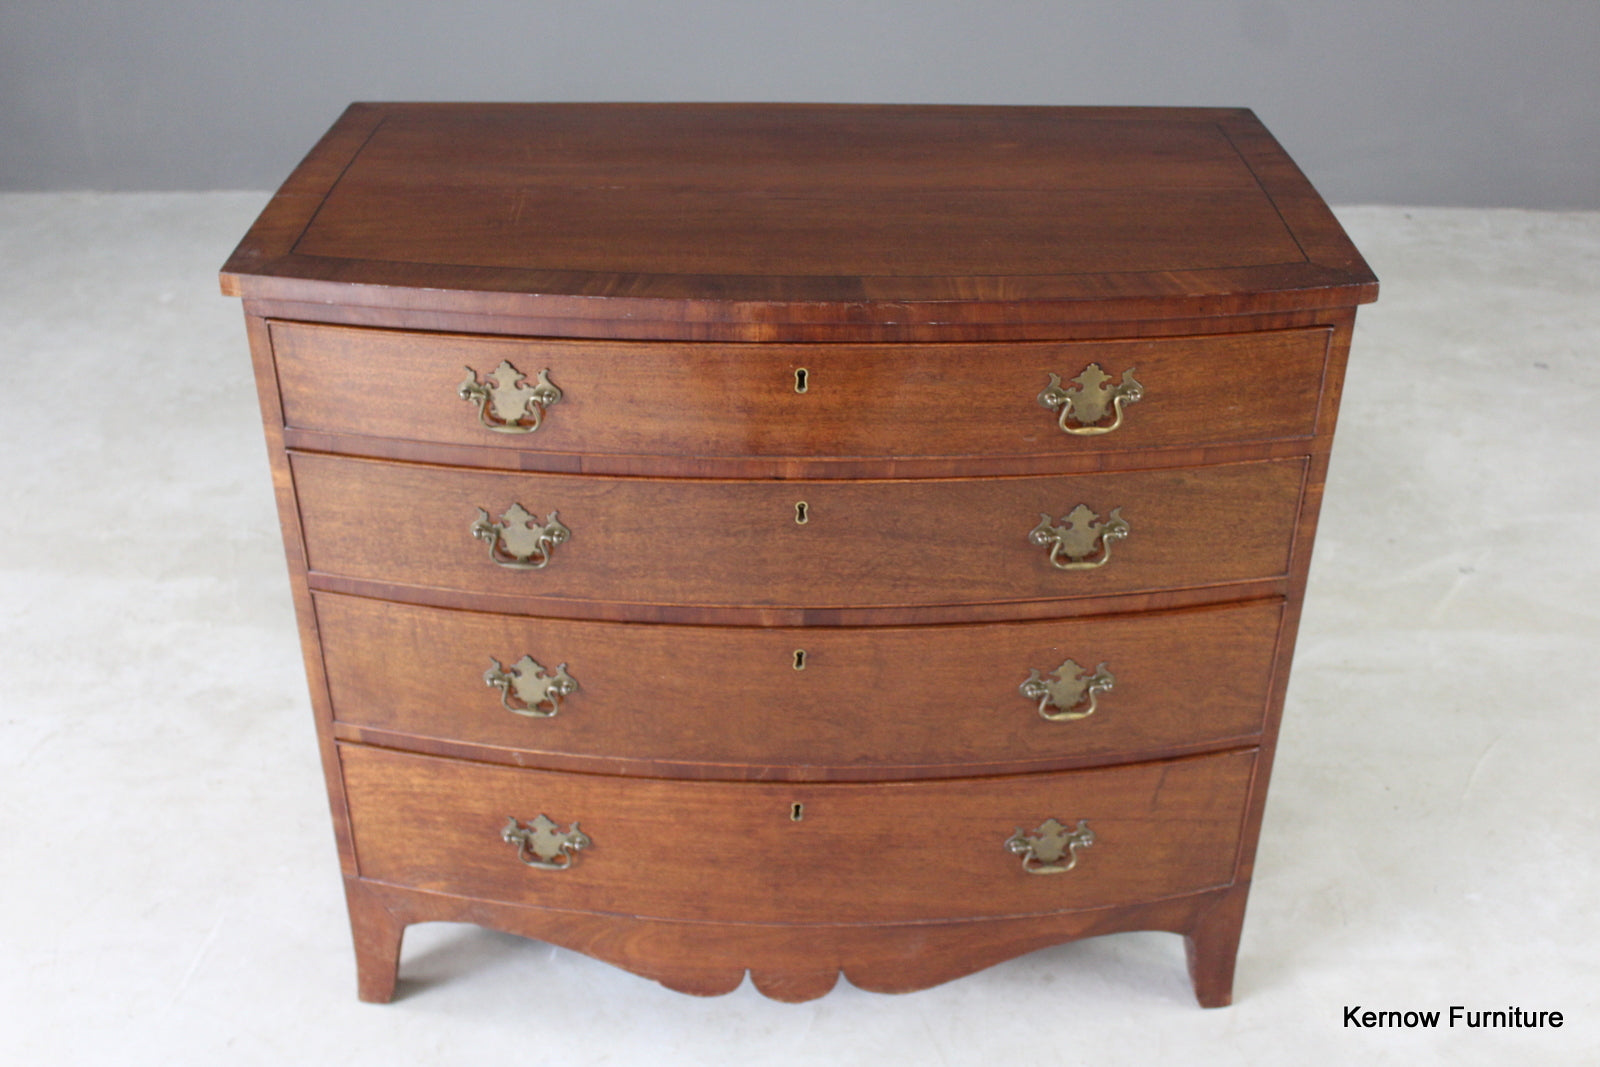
(775, 212)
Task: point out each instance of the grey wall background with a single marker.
(1453, 102)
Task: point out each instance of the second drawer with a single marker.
(661, 541)
(795, 703)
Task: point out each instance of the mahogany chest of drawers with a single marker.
(798, 540)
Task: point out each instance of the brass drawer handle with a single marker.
(506, 402)
(520, 541)
(1066, 689)
(544, 845)
(534, 687)
(1043, 850)
(1081, 537)
(1086, 405)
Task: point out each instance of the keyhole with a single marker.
(796, 812)
(802, 513)
(799, 659)
(801, 379)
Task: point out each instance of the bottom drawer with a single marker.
(754, 852)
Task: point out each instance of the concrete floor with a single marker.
(170, 889)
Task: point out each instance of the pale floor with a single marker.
(169, 890)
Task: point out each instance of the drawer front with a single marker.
(917, 700)
(687, 541)
(735, 852)
(728, 400)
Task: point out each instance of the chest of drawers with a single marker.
(798, 540)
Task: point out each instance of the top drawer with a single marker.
(801, 401)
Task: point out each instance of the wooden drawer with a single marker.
(728, 701)
(734, 852)
(729, 400)
(688, 541)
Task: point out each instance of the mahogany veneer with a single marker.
(808, 462)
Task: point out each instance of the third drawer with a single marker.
(780, 702)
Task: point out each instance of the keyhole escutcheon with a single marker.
(797, 812)
(802, 379)
(799, 659)
(802, 513)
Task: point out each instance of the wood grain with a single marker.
(792, 963)
(767, 213)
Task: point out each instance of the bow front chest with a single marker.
(798, 540)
